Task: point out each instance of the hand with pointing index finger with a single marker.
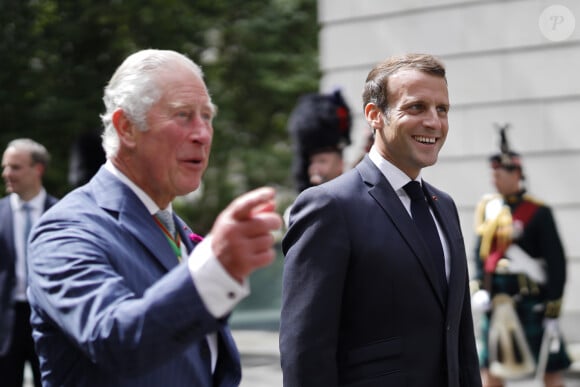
(242, 233)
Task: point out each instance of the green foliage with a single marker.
(258, 56)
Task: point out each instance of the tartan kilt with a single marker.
(531, 318)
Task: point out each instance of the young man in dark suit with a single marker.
(368, 298)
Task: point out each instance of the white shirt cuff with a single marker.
(218, 290)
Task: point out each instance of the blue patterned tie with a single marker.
(27, 225)
(166, 219)
(427, 228)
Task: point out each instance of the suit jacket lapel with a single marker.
(386, 197)
(7, 220)
(185, 234)
(8, 226)
(228, 370)
(114, 196)
(457, 262)
(49, 202)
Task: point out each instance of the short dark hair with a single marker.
(375, 88)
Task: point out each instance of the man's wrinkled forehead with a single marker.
(189, 91)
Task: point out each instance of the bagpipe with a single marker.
(510, 356)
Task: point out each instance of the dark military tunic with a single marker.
(537, 235)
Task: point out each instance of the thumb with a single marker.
(244, 206)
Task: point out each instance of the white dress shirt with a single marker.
(398, 179)
(18, 215)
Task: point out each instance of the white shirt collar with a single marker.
(147, 201)
(394, 175)
(36, 203)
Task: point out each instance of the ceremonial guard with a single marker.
(319, 128)
(521, 273)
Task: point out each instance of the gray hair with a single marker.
(38, 152)
(134, 89)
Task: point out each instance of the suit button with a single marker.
(448, 327)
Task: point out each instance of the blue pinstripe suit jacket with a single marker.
(111, 306)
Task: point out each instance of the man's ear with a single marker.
(374, 116)
(125, 128)
(39, 168)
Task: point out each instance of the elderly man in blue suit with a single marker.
(111, 303)
(375, 289)
(24, 164)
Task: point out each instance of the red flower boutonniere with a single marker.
(434, 198)
(195, 238)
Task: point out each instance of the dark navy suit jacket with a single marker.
(111, 305)
(361, 305)
(8, 270)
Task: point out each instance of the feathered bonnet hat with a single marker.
(506, 158)
(318, 123)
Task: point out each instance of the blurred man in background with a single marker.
(24, 163)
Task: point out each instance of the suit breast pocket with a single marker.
(374, 364)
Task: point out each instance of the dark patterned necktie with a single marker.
(427, 228)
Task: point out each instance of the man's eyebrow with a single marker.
(179, 105)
